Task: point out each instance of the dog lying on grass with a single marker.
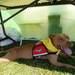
(50, 48)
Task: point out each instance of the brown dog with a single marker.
(51, 47)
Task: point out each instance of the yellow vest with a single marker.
(48, 44)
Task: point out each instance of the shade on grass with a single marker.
(33, 67)
(36, 67)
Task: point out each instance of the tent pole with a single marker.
(34, 2)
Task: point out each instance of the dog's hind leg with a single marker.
(11, 55)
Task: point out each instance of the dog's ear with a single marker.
(60, 40)
(65, 37)
(62, 37)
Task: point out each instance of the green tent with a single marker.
(35, 19)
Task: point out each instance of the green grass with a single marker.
(34, 67)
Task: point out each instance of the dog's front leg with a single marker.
(11, 55)
(53, 59)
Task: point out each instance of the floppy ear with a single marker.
(60, 40)
(66, 36)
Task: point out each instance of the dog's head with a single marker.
(62, 42)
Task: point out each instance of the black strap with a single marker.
(3, 28)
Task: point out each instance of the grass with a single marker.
(33, 67)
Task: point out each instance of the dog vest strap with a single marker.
(58, 52)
